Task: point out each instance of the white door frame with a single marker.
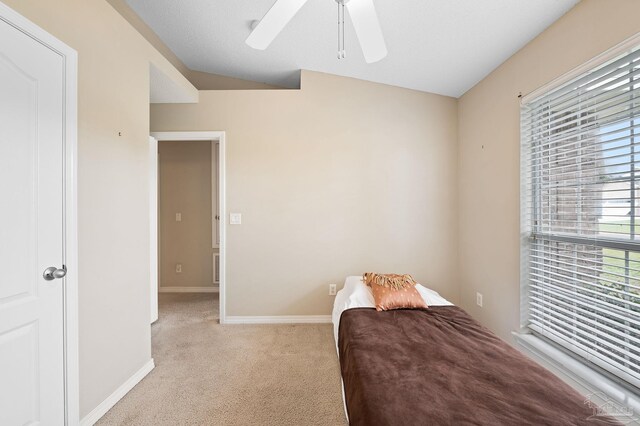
(70, 251)
(213, 136)
(153, 223)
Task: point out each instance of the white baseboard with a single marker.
(176, 289)
(280, 319)
(116, 396)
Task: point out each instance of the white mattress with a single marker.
(356, 294)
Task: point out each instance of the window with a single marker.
(581, 216)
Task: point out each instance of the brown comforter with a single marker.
(441, 367)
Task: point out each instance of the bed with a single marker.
(438, 366)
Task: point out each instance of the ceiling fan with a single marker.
(363, 16)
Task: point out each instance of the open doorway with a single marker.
(187, 228)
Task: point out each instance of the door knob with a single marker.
(51, 273)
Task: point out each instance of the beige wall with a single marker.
(338, 178)
(113, 194)
(185, 188)
(488, 161)
(207, 81)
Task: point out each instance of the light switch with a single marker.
(178, 217)
(235, 218)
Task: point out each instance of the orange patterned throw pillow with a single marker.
(393, 291)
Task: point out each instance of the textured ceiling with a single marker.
(438, 46)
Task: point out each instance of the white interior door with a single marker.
(215, 209)
(215, 148)
(31, 231)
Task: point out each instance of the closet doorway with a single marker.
(186, 220)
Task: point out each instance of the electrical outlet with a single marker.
(178, 268)
(479, 299)
(178, 217)
(332, 289)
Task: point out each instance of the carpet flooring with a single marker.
(212, 374)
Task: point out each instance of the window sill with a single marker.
(597, 387)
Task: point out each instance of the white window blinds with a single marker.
(581, 215)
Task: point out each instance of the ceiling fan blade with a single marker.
(365, 21)
(273, 22)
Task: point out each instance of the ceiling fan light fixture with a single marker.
(363, 16)
(341, 50)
